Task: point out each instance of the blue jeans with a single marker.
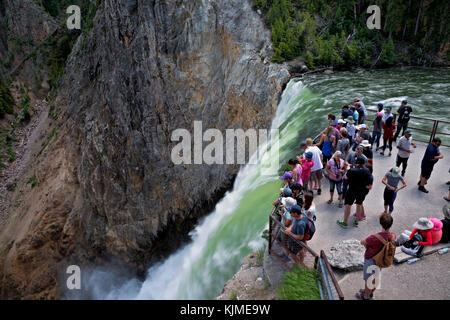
(376, 137)
(338, 185)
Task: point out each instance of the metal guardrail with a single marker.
(433, 132)
(328, 285)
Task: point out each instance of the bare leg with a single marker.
(347, 212)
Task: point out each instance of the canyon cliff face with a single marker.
(107, 190)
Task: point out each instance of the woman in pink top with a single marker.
(296, 170)
(307, 163)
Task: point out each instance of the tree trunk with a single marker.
(406, 21)
(418, 18)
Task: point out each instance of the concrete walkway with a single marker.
(426, 279)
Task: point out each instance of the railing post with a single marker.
(433, 131)
(270, 233)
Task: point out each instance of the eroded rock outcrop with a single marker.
(107, 189)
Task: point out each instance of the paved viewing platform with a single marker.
(428, 278)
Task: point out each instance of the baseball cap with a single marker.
(388, 108)
(303, 144)
(296, 209)
(360, 160)
(308, 155)
(395, 171)
(404, 102)
(341, 121)
(287, 192)
(408, 132)
(286, 175)
(360, 148)
(380, 104)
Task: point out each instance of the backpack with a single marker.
(385, 257)
(437, 224)
(310, 228)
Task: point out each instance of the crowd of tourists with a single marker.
(344, 155)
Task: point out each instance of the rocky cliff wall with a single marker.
(107, 188)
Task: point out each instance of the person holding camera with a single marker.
(336, 169)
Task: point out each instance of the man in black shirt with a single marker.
(359, 181)
(404, 113)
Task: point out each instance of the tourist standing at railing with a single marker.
(388, 135)
(404, 150)
(361, 113)
(336, 169)
(351, 129)
(316, 170)
(377, 130)
(343, 144)
(387, 113)
(307, 165)
(346, 112)
(296, 170)
(328, 143)
(431, 157)
(404, 114)
(363, 108)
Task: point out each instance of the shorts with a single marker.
(352, 197)
(337, 184)
(426, 172)
(367, 264)
(317, 174)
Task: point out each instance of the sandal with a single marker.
(330, 201)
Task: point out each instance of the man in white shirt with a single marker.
(404, 150)
(316, 170)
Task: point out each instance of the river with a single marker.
(233, 229)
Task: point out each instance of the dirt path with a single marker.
(27, 136)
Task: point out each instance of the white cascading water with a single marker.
(173, 278)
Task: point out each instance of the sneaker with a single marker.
(423, 189)
(342, 224)
(362, 292)
(319, 191)
(355, 223)
(362, 218)
(382, 153)
(418, 183)
(390, 154)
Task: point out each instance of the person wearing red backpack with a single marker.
(374, 245)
